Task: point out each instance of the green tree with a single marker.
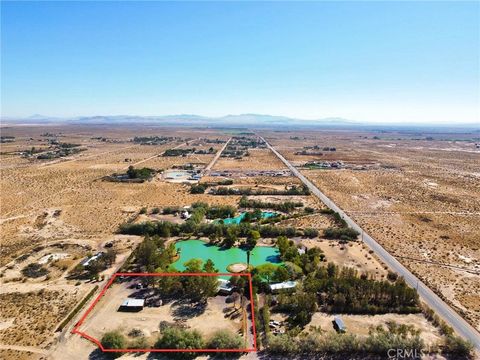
(209, 283)
(265, 271)
(252, 239)
(200, 288)
(193, 266)
(281, 274)
(147, 253)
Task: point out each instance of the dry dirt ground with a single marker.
(354, 255)
(259, 159)
(419, 197)
(48, 203)
(360, 324)
(106, 317)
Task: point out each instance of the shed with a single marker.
(130, 304)
(339, 325)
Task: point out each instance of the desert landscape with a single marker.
(417, 194)
(419, 198)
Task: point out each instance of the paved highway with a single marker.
(429, 297)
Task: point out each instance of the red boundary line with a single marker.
(109, 283)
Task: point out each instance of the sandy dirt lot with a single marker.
(353, 254)
(259, 159)
(107, 317)
(360, 324)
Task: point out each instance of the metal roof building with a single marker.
(132, 304)
(338, 324)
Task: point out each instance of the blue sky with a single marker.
(367, 61)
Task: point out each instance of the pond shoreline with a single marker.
(223, 258)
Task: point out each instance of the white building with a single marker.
(130, 304)
(286, 285)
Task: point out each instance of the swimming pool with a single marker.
(175, 174)
(197, 249)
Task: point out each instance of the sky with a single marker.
(383, 62)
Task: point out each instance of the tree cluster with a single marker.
(341, 290)
(178, 152)
(294, 190)
(143, 173)
(286, 206)
(343, 233)
(177, 338)
(215, 231)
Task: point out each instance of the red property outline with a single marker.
(110, 282)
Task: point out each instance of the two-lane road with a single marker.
(217, 156)
(429, 297)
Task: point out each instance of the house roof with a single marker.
(283, 285)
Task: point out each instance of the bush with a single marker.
(114, 340)
(282, 344)
(310, 233)
(223, 339)
(455, 345)
(34, 270)
(392, 276)
(198, 189)
(171, 210)
(139, 343)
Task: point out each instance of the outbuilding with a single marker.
(130, 304)
(286, 285)
(339, 325)
(95, 257)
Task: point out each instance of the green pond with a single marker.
(238, 219)
(197, 249)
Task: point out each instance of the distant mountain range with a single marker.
(228, 121)
(243, 120)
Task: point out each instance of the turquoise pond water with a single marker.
(238, 219)
(197, 249)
